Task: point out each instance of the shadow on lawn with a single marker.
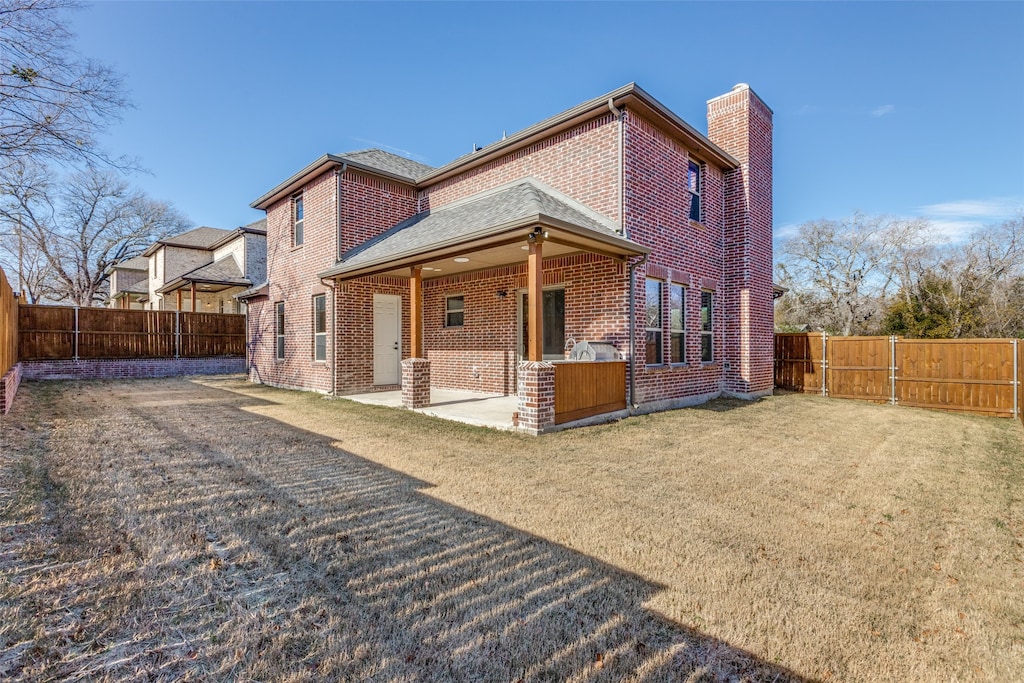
(338, 568)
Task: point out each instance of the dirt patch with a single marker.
(178, 530)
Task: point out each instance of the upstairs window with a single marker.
(454, 311)
(707, 354)
(677, 323)
(298, 214)
(695, 183)
(320, 327)
(280, 330)
(654, 323)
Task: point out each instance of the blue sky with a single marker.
(905, 109)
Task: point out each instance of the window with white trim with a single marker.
(454, 311)
(320, 327)
(655, 323)
(695, 183)
(707, 354)
(280, 329)
(677, 323)
(298, 220)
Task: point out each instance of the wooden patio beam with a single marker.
(416, 313)
(535, 297)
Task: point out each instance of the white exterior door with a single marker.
(387, 339)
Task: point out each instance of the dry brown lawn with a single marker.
(216, 530)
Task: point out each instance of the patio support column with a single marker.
(193, 297)
(416, 368)
(536, 389)
(535, 295)
(536, 379)
(178, 307)
(416, 313)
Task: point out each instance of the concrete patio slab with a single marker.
(471, 407)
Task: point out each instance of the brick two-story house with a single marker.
(615, 222)
(203, 269)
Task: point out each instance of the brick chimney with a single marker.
(741, 123)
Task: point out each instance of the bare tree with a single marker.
(53, 101)
(840, 272)
(81, 225)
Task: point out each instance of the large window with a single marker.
(280, 329)
(298, 220)
(654, 323)
(553, 323)
(320, 327)
(677, 323)
(707, 337)
(694, 183)
(454, 311)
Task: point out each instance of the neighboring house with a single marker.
(203, 269)
(129, 283)
(613, 222)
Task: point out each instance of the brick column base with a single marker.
(415, 382)
(536, 389)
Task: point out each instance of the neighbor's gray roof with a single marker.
(224, 271)
(487, 213)
(196, 238)
(141, 287)
(133, 263)
(256, 226)
(256, 290)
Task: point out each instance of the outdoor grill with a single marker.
(593, 350)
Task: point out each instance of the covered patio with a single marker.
(499, 286)
(471, 407)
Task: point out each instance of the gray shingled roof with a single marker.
(133, 263)
(387, 162)
(257, 226)
(224, 271)
(141, 287)
(201, 237)
(476, 216)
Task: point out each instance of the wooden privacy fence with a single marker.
(970, 375)
(583, 389)
(71, 333)
(8, 326)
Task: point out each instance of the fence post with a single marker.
(1016, 381)
(74, 356)
(824, 363)
(892, 370)
(177, 334)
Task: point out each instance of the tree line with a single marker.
(872, 275)
(67, 209)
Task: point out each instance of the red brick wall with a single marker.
(369, 207)
(581, 162)
(481, 355)
(9, 388)
(685, 252)
(354, 336)
(741, 124)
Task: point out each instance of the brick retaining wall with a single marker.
(135, 368)
(9, 387)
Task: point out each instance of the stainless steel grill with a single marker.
(593, 350)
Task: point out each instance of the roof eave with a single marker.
(317, 168)
(627, 94)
